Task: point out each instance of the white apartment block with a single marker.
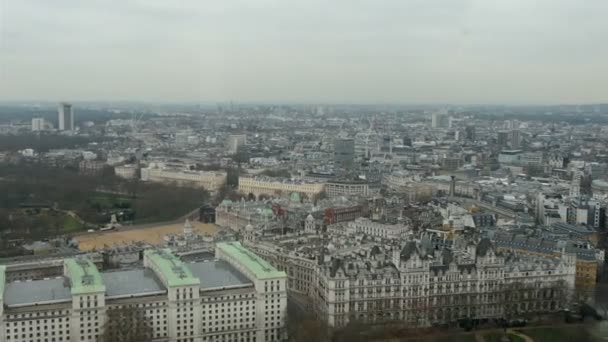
(209, 180)
(346, 188)
(127, 171)
(235, 297)
(270, 186)
(234, 142)
(370, 228)
(66, 117)
(38, 124)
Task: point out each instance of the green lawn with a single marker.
(562, 334)
(515, 338)
(497, 337)
(71, 225)
(454, 338)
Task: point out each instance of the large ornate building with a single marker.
(423, 287)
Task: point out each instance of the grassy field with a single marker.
(497, 337)
(454, 338)
(559, 334)
(71, 225)
(458, 338)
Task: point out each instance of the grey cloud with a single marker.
(305, 50)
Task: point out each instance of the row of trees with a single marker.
(66, 189)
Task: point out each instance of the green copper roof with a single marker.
(2, 280)
(171, 267)
(267, 212)
(258, 266)
(84, 276)
(295, 197)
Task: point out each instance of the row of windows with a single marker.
(39, 314)
(46, 339)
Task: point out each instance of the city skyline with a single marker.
(457, 52)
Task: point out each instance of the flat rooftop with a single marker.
(137, 282)
(216, 274)
(258, 266)
(45, 291)
(171, 267)
(84, 276)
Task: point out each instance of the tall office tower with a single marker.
(440, 120)
(66, 117)
(387, 143)
(37, 124)
(470, 133)
(344, 154)
(503, 138)
(235, 141)
(435, 119)
(575, 185)
(515, 139)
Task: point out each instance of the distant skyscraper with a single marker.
(37, 124)
(503, 138)
(235, 141)
(440, 120)
(435, 117)
(344, 154)
(575, 184)
(470, 133)
(66, 117)
(387, 144)
(515, 139)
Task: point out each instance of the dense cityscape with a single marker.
(298, 222)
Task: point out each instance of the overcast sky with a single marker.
(324, 51)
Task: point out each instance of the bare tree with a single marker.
(304, 326)
(126, 324)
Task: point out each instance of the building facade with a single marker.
(344, 154)
(235, 141)
(272, 186)
(38, 124)
(365, 226)
(422, 289)
(127, 171)
(346, 188)
(235, 297)
(209, 180)
(66, 117)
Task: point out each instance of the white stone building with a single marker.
(270, 186)
(370, 228)
(209, 180)
(236, 297)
